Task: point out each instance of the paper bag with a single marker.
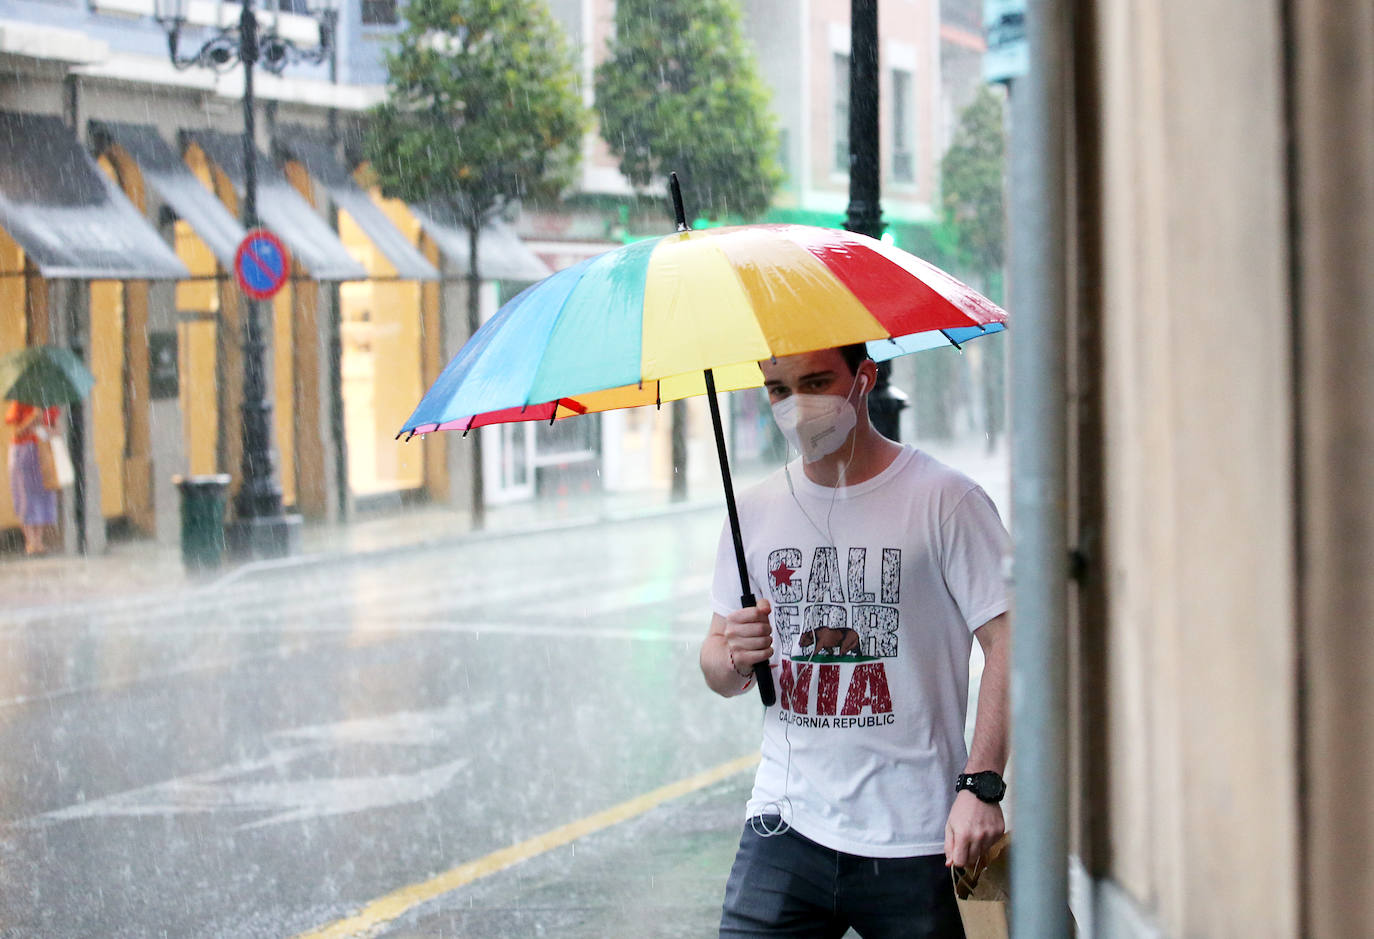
(55, 462)
(982, 893)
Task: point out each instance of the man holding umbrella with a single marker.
(876, 567)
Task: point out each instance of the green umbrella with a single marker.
(45, 376)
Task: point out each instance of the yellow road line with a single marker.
(399, 902)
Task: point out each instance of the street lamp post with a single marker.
(865, 211)
(261, 528)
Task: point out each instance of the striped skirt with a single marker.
(33, 502)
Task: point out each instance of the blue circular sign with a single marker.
(261, 264)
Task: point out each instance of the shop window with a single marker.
(903, 144)
(840, 82)
(380, 365)
(567, 455)
(379, 13)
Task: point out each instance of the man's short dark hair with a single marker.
(855, 355)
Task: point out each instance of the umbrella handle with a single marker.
(762, 673)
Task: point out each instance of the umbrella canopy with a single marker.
(44, 376)
(690, 313)
(641, 324)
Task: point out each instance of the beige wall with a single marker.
(280, 324)
(106, 403)
(381, 362)
(1199, 814)
(1226, 776)
(435, 351)
(197, 342)
(1334, 125)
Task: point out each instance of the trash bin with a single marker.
(202, 519)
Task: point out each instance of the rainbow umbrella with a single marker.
(645, 323)
(691, 313)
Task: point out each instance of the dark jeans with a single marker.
(787, 885)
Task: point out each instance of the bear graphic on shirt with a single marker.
(825, 614)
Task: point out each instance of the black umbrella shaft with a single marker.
(761, 671)
(729, 487)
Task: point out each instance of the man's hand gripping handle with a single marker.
(762, 673)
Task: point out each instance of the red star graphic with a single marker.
(782, 575)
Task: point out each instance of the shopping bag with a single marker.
(982, 893)
(55, 462)
(47, 465)
(62, 459)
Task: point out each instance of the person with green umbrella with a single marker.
(34, 502)
(36, 380)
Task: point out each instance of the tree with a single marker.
(483, 109)
(972, 177)
(679, 92)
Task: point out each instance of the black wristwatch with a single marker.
(987, 785)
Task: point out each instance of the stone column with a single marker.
(167, 446)
(316, 474)
(83, 523)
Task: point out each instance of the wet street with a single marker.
(451, 740)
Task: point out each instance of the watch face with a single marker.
(987, 786)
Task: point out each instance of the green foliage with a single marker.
(680, 93)
(974, 229)
(971, 178)
(483, 107)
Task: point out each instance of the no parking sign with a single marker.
(261, 264)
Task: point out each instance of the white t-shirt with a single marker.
(872, 632)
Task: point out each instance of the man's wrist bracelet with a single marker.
(748, 678)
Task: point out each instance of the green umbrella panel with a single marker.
(44, 376)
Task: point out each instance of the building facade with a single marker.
(802, 56)
(376, 301)
(374, 306)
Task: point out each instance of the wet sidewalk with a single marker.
(141, 568)
(662, 875)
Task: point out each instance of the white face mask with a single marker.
(816, 425)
